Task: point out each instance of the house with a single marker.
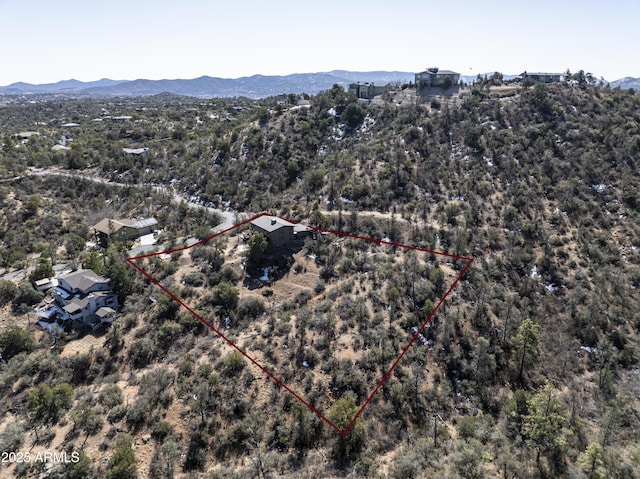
(367, 91)
(434, 77)
(25, 135)
(123, 230)
(135, 151)
(60, 148)
(81, 298)
(543, 77)
(280, 232)
(45, 284)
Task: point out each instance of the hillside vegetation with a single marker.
(531, 369)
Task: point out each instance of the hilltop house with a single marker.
(81, 298)
(367, 91)
(543, 77)
(123, 230)
(434, 77)
(281, 233)
(135, 151)
(25, 135)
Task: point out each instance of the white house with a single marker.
(84, 297)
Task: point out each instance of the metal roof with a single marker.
(144, 223)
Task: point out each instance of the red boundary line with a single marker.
(344, 431)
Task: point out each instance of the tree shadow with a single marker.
(270, 267)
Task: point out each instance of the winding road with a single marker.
(229, 218)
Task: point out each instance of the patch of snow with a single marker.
(265, 274)
(552, 287)
(599, 188)
(305, 364)
(534, 272)
(588, 349)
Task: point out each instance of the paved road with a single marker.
(229, 218)
(18, 274)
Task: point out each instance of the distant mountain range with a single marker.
(626, 83)
(256, 86)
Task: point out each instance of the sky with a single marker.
(45, 41)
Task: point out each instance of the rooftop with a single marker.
(83, 279)
(271, 223)
(109, 226)
(135, 151)
(75, 305)
(439, 72)
(144, 222)
(542, 74)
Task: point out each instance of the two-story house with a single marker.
(434, 77)
(84, 297)
(280, 232)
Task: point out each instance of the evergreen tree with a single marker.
(122, 464)
(526, 343)
(346, 446)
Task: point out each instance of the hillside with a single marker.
(528, 369)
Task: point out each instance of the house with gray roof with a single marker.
(82, 298)
(280, 232)
(135, 151)
(367, 91)
(123, 230)
(542, 77)
(434, 77)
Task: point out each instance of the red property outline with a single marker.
(344, 431)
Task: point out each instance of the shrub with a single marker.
(11, 437)
(233, 364)
(122, 464)
(8, 291)
(141, 353)
(47, 403)
(15, 340)
(250, 307)
(27, 295)
(194, 279)
(110, 396)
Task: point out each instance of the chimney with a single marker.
(273, 221)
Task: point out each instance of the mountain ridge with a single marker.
(254, 86)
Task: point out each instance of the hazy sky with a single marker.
(44, 41)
